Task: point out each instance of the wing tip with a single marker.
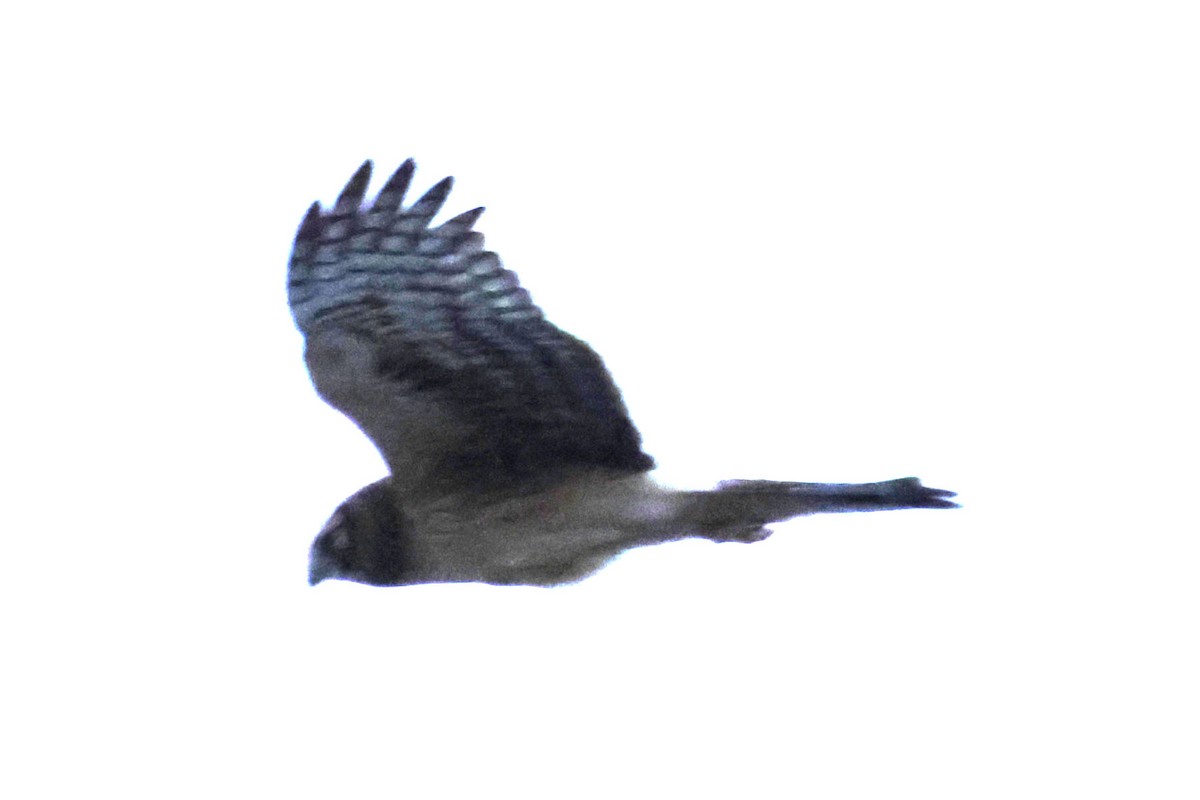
(356, 188)
(431, 202)
(310, 226)
(463, 222)
(393, 191)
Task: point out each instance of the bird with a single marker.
(511, 456)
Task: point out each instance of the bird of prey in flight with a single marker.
(512, 459)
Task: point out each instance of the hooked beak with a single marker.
(319, 569)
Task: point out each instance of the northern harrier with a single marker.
(512, 457)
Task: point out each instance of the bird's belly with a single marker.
(525, 555)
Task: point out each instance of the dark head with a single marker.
(362, 541)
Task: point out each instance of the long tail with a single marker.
(737, 510)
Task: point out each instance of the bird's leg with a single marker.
(737, 510)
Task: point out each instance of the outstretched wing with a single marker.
(421, 337)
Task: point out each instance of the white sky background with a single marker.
(846, 241)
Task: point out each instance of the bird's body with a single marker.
(550, 535)
(512, 458)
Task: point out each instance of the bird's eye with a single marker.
(341, 539)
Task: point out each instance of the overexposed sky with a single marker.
(822, 242)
